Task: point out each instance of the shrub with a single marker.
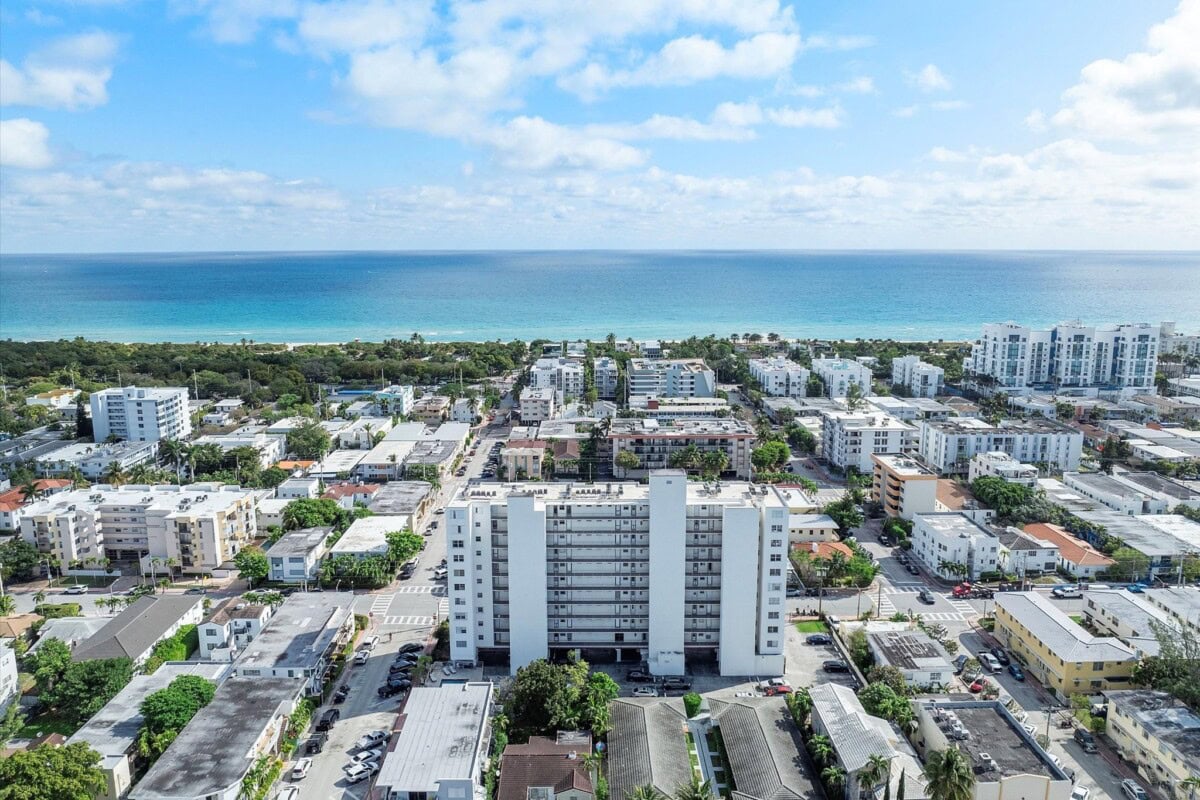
(691, 703)
(57, 610)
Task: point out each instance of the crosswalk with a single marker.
(405, 621)
(381, 603)
(417, 589)
(963, 607)
(940, 616)
(886, 607)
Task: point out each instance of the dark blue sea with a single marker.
(331, 297)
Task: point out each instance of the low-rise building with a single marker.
(1025, 555)
(949, 445)
(923, 662)
(298, 489)
(919, 378)
(1169, 491)
(468, 410)
(1003, 466)
(336, 465)
(538, 404)
(365, 537)
(395, 400)
(113, 731)
(856, 736)
(522, 460)
(385, 461)
(95, 461)
(442, 747)
(658, 445)
(954, 546)
(1128, 616)
(361, 433)
(850, 438)
(1158, 735)
(779, 376)
(351, 495)
(839, 374)
(230, 627)
(431, 458)
(71, 631)
(147, 621)
(1181, 603)
(246, 720)
(811, 528)
(1005, 758)
(60, 402)
(431, 408)
(1060, 654)
(269, 512)
(903, 485)
(406, 503)
(270, 448)
(295, 556)
(307, 631)
(1115, 494)
(14, 501)
(1076, 557)
(673, 408)
(545, 769)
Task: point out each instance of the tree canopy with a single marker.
(165, 712)
(18, 560)
(86, 686)
(252, 564)
(70, 772)
(545, 697)
(309, 440)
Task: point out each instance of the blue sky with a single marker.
(362, 124)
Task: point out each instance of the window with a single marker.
(772, 615)
(456, 543)
(776, 557)
(458, 587)
(775, 573)
(772, 643)
(460, 643)
(777, 543)
(772, 629)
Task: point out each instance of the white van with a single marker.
(370, 643)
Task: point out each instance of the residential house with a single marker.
(300, 640)
(147, 621)
(230, 627)
(1158, 735)
(922, 661)
(295, 556)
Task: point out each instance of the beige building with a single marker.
(1156, 734)
(904, 486)
(656, 443)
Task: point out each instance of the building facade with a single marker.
(687, 377)
(538, 404)
(563, 375)
(839, 374)
(903, 485)
(605, 376)
(635, 571)
(663, 445)
(141, 415)
(949, 445)
(849, 439)
(917, 377)
(780, 377)
(949, 543)
(1003, 466)
(1158, 735)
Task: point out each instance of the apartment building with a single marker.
(270, 448)
(679, 377)
(94, 460)
(563, 375)
(198, 526)
(673, 408)
(1158, 735)
(1003, 466)
(1115, 494)
(229, 628)
(60, 402)
(850, 438)
(433, 408)
(626, 571)
(395, 400)
(1024, 554)
(904, 486)
(13, 501)
(779, 376)
(605, 375)
(1009, 357)
(839, 374)
(1075, 556)
(294, 558)
(919, 378)
(301, 640)
(141, 415)
(949, 445)
(659, 445)
(1064, 657)
(538, 404)
(133, 633)
(942, 541)
(1005, 759)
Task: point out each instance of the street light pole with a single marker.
(820, 592)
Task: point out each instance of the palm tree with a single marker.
(39, 597)
(877, 769)
(714, 462)
(799, 702)
(114, 475)
(31, 491)
(173, 450)
(696, 790)
(8, 606)
(834, 777)
(645, 792)
(1191, 784)
(949, 775)
(820, 748)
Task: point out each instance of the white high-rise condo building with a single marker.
(1069, 356)
(949, 445)
(604, 374)
(686, 377)
(564, 375)
(919, 378)
(780, 377)
(839, 374)
(141, 415)
(668, 573)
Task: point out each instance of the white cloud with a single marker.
(532, 143)
(1149, 95)
(1036, 121)
(239, 21)
(24, 143)
(945, 155)
(691, 59)
(930, 79)
(949, 105)
(906, 111)
(786, 117)
(664, 126)
(71, 73)
(830, 42)
(352, 25)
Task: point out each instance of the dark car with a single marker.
(835, 666)
(813, 591)
(406, 659)
(1016, 671)
(639, 676)
(400, 669)
(1085, 740)
(959, 663)
(316, 743)
(412, 647)
(819, 638)
(389, 690)
(925, 596)
(912, 569)
(328, 719)
(398, 680)
(341, 694)
(1001, 656)
(795, 592)
(676, 683)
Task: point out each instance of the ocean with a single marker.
(333, 297)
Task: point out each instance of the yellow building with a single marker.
(1158, 735)
(904, 486)
(1056, 651)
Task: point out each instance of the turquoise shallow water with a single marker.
(322, 297)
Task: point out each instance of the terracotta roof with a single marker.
(538, 443)
(295, 464)
(565, 448)
(340, 490)
(541, 762)
(16, 625)
(951, 495)
(14, 499)
(824, 549)
(1074, 550)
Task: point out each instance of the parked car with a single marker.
(1085, 739)
(388, 690)
(639, 676)
(990, 662)
(819, 638)
(341, 694)
(328, 719)
(925, 596)
(677, 683)
(315, 743)
(835, 665)
(1016, 671)
(1132, 790)
(795, 592)
(300, 771)
(1080, 793)
(978, 685)
(774, 687)
(76, 589)
(363, 756)
(399, 682)
(439, 574)
(400, 668)
(409, 659)
(645, 691)
(813, 591)
(1137, 588)
(370, 739)
(289, 793)
(1066, 592)
(362, 656)
(1000, 655)
(412, 647)
(960, 661)
(360, 772)
(912, 569)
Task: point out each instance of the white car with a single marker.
(360, 772)
(370, 643)
(1080, 793)
(365, 756)
(290, 793)
(645, 691)
(369, 740)
(362, 656)
(300, 771)
(990, 662)
(76, 589)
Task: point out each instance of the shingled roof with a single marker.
(540, 763)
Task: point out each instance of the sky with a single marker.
(384, 124)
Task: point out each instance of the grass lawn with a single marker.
(1077, 619)
(692, 756)
(93, 581)
(812, 626)
(46, 723)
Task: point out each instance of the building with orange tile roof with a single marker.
(1074, 555)
(13, 500)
